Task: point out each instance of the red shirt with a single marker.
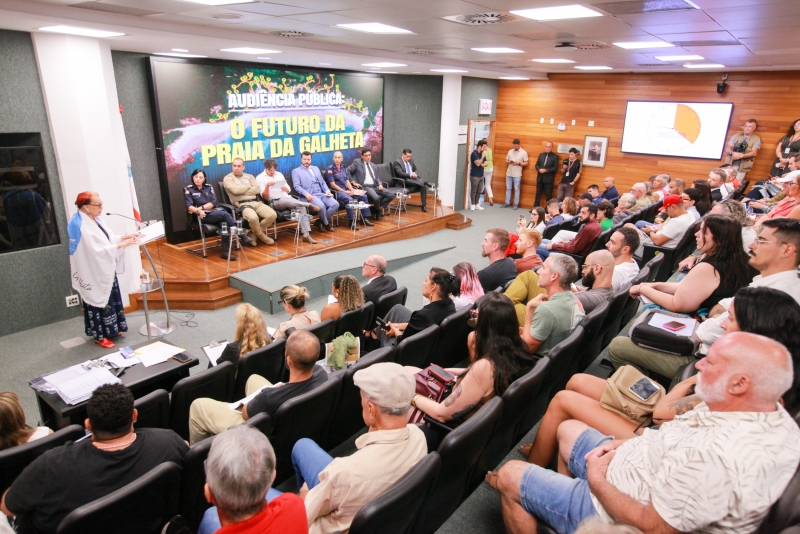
(582, 242)
(283, 515)
(526, 264)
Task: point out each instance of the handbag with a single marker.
(644, 335)
(618, 398)
(434, 383)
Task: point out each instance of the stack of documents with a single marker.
(156, 353)
(76, 384)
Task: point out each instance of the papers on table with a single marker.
(157, 352)
(77, 388)
(152, 232)
(237, 406)
(117, 360)
(658, 320)
(214, 353)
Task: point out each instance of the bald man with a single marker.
(611, 192)
(598, 272)
(339, 181)
(378, 282)
(715, 468)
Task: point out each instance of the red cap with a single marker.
(672, 200)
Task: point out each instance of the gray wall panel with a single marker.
(472, 90)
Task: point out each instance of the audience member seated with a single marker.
(720, 190)
(348, 295)
(522, 289)
(537, 221)
(251, 333)
(585, 199)
(659, 183)
(471, 289)
(735, 210)
(574, 243)
(405, 168)
(526, 247)
(503, 358)
(676, 186)
(639, 192)
(722, 272)
(239, 472)
(624, 206)
(581, 399)
(598, 271)
(704, 204)
(622, 243)
(378, 282)
(402, 323)
(243, 190)
(610, 192)
(293, 299)
(789, 206)
(691, 197)
(605, 214)
(308, 182)
(77, 473)
(208, 417)
(569, 209)
(766, 189)
(671, 232)
(13, 429)
(551, 317)
(553, 215)
(334, 490)
(594, 191)
(501, 270)
(659, 482)
(275, 191)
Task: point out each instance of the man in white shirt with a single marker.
(275, 191)
(621, 244)
(516, 160)
(671, 232)
(717, 468)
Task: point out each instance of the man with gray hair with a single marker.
(718, 467)
(239, 472)
(378, 282)
(334, 490)
(624, 206)
(639, 191)
(551, 317)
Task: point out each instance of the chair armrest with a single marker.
(229, 207)
(436, 425)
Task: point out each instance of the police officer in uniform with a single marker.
(200, 199)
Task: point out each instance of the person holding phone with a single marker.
(497, 356)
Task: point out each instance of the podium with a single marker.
(155, 328)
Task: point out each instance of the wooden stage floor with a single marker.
(196, 283)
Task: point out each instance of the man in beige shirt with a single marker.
(334, 490)
(639, 190)
(242, 189)
(516, 160)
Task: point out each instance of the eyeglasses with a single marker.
(368, 265)
(763, 241)
(585, 265)
(97, 205)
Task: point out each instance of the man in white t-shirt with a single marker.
(516, 159)
(714, 469)
(275, 191)
(621, 245)
(671, 232)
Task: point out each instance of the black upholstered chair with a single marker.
(416, 350)
(14, 460)
(268, 361)
(347, 419)
(451, 347)
(142, 507)
(786, 512)
(355, 321)
(153, 410)
(215, 383)
(612, 323)
(460, 451)
(394, 511)
(194, 224)
(591, 344)
(193, 503)
(324, 332)
(389, 300)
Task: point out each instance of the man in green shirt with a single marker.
(550, 318)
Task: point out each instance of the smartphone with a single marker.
(183, 358)
(443, 375)
(674, 326)
(644, 389)
(381, 323)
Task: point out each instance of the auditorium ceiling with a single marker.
(443, 34)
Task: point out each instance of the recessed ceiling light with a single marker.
(704, 66)
(574, 11)
(176, 54)
(552, 60)
(592, 67)
(384, 65)
(249, 50)
(499, 50)
(448, 70)
(324, 63)
(86, 32)
(259, 57)
(372, 27)
(644, 44)
(512, 78)
(179, 50)
(219, 2)
(680, 58)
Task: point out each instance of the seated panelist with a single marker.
(339, 181)
(308, 181)
(275, 191)
(364, 175)
(406, 169)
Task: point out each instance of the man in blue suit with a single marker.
(308, 181)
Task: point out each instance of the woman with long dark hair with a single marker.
(704, 204)
(789, 144)
(498, 356)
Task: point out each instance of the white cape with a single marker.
(94, 259)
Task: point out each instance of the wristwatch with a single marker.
(414, 401)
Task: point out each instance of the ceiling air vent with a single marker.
(651, 65)
(716, 42)
(422, 52)
(292, 34)
(482, 19)
(591, 47)
(112, 8)
(226, 16)
(643, 6)
(520, 67)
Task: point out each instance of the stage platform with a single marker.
(196, 283)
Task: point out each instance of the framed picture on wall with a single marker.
(595, 149)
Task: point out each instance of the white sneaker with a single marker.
(472, 208)
(479, 207)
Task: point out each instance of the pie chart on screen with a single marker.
(674, 128)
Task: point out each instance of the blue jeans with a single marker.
(643, 224)
(210, 522)
(516, 182)
(327, 207)
(309, 460)
(560, 501)
(542, 251)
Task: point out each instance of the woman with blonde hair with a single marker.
(13, 429)
(293, 299)
(251, 333)
(348, 297)
(569, 208)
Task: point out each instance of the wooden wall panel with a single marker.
(769, 97)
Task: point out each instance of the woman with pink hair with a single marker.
(471, 289)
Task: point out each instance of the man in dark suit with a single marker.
(378, 282)
(546, 167)
(364, 175)
(406, 169)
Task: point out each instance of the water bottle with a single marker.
(239, 225)
(224, 228)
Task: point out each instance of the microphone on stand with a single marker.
(146, 223)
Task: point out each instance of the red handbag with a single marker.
(434, 383)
